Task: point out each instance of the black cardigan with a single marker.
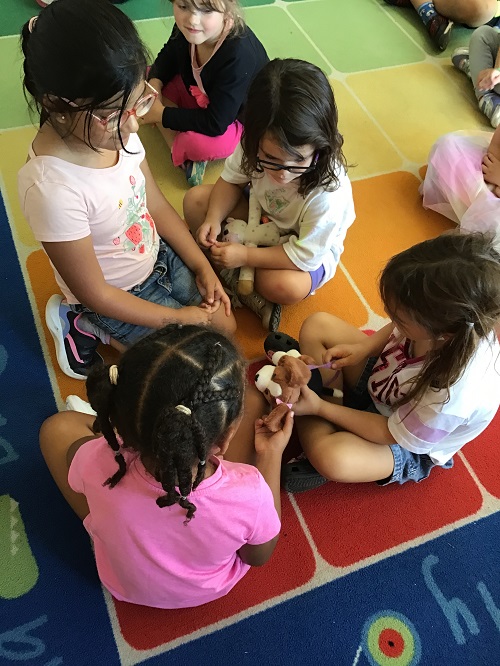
(226, 78)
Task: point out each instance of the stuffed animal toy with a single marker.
(251, 234)
(281, 384)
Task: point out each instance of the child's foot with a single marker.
(490, 106)
(270, 313)
(491, 170)
(75, 349)
(76, 404)
(195, 172)
(439, 29)
(460, 60)
(299, 476)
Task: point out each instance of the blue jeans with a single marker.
(408, 466)
(170, 284)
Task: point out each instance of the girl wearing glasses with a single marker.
(203, 73)
(291, 155)
(122, 257)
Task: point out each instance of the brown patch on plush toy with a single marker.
(283, 389)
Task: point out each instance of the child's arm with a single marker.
(351, 354)
(177, 235)
(223, 199)
(235, 255)
(269, 449)
(372, 427)
(77, 264)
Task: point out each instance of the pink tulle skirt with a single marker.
(454, 185)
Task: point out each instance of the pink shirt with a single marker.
(145, 554)
(66, 202)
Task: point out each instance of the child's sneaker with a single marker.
(195, 172)
(299, 476)
(490, 106)
(270, 313)
(76, 404)
(460, 60)
(439, 29)
(75, 349)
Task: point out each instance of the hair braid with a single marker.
(100, 392)
(191, 366)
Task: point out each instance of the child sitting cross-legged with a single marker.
(173, 523)
(420, 388)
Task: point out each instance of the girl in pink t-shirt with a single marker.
(173, 524)
(123, 259)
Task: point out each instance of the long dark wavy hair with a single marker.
(292, 101)
(81, 50)
(450, 285)
(192, 366)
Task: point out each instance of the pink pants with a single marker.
(193, 145)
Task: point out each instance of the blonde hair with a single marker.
(230, 8)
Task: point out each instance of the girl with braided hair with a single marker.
(166, 413)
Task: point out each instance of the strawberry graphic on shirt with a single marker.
(134, 233)
(140, 232)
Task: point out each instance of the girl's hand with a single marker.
(267, 441)
(200, 316)
(491, 169)
(488, 78)
(308, 403)
(343, 355)
(229, 255)
(155, 113)
(207, 233)
(212, 290)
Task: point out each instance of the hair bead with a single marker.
(183, 409)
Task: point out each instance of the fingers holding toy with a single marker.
(267, 440)
(308, 403)
(341, 356)
(229, 255)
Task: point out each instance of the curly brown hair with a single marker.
(292, 101)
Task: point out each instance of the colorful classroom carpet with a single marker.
(361, 575)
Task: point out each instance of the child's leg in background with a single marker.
(193, 146)
(57, 436)
(483, 49)
(339, 456)
(283, 286)
(195, 207)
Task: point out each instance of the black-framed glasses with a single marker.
(260, 165)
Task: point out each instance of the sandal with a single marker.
(299, 476)
(279, 341)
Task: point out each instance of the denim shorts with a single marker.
(170, 284)
(408, 466)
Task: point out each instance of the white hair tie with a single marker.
(31, 23)
(113, 374)
(183, 409)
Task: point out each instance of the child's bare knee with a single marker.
(195, 203)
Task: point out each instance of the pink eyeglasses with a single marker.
(114, 121)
